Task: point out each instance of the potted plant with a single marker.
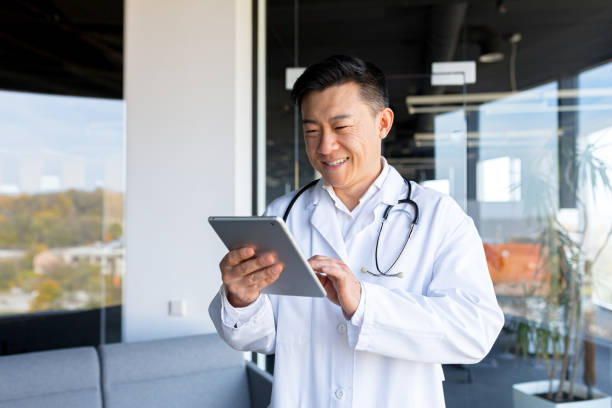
(563, 338)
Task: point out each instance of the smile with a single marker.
(336, 163)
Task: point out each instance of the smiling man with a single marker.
(407, 283)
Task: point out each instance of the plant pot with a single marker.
(524, 396)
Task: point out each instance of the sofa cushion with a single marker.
(51, 379)
(194, 371)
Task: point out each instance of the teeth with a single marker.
(337, 162)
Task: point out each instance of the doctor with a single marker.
(393, 314)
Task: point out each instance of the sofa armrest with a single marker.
(260, 385)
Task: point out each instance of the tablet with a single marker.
(270, 234)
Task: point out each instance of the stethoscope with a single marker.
(414, 221)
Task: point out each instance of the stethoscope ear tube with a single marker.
(409, 200)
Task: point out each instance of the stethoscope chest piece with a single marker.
(387, 275)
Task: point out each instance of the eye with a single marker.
(310, 133)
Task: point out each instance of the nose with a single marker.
(327, 143)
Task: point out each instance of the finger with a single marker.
(318, 264)
(251, 265)
(325, 282)
(255, 264)
(323, 279)
(330, 290)
(264, 277)
(333, 271)
(325, 259)
(271, 278)
(319, 257)
(251, 285)
(236, 256)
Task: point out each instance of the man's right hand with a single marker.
(245, 275)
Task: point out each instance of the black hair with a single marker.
(338, 70)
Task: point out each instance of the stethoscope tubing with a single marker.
(415, 220)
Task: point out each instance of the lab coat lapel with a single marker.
(325, 226)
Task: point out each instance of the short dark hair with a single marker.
(338, 70)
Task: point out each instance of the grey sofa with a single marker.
(184, 372)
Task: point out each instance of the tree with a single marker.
(49, 294)
(8, 273)
(114, 231)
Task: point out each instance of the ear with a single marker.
(385, 122)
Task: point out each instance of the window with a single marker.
(61, 206)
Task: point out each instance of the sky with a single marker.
(50, 142)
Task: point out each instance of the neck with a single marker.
(351, 195)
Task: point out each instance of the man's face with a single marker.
(343, 136)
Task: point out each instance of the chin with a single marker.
(336, 183)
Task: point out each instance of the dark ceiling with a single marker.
(70, 47)
(403, 37)
(76, 46)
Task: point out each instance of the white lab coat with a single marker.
(443, 310)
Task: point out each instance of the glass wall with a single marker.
(526, 150)
(61, 205)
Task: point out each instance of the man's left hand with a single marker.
(341, 286)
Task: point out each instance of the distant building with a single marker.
(109, 256)
(12, 253)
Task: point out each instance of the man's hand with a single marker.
(341, 285)
(245, 275)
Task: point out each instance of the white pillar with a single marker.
(188, 155)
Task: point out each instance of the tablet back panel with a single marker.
(270, 234)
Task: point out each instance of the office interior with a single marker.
(125, 124)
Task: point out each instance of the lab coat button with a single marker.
(341, 328)
(339, 393)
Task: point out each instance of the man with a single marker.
(393, 314)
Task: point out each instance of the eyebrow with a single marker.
(343, 116)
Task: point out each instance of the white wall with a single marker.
(188, 98)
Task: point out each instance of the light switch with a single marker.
(177, 307)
